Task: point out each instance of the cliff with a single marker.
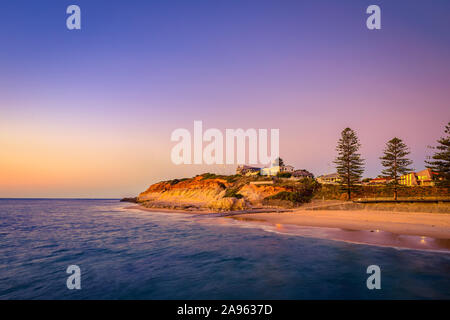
(236, 192)
(221, 193)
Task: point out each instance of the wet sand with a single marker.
(412, 230)
(435, 225)
(424, 231)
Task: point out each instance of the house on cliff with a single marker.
(247, 170)
(332, 178)
(272, 171)
(299, 174)
(421, 178)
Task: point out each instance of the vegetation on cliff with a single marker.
(296, 194)
(221, 192)
(235, 192)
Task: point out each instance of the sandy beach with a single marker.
(413, 230)
(435, 225)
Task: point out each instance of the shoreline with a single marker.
(422, 231)
(167, 210)
(435, 225)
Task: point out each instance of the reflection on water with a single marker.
(132, 254)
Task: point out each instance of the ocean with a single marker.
(134, 254)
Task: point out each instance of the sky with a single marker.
(89, 113)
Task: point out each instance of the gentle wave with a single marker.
(133, 254)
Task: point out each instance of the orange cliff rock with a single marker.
(200, 193)
(256, 193)
(191, 193)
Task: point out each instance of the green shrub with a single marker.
(334, 192)
(298, 193)
(208, 176)
(231, 179)
(176, 181)
(292, 196)
(284, 174)
(222, 185)
(233, 193)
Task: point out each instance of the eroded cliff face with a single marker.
(195, 193)
(256, 193)
(200, 193)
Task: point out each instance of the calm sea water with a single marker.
(131, 254)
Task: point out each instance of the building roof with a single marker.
(425, 172)
(244, 166)
(381, 179)
(302, 172)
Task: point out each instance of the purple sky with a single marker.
(89, 113)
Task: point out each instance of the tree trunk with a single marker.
(395, 176)
(349, 192)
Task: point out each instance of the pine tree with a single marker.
(278, 161)
(349, 164)
(440, 162)
(395, 162)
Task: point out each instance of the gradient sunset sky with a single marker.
(89, 113)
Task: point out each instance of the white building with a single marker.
(274, 170)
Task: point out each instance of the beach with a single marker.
(435, 225)
(409, 230)
(133, 254)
